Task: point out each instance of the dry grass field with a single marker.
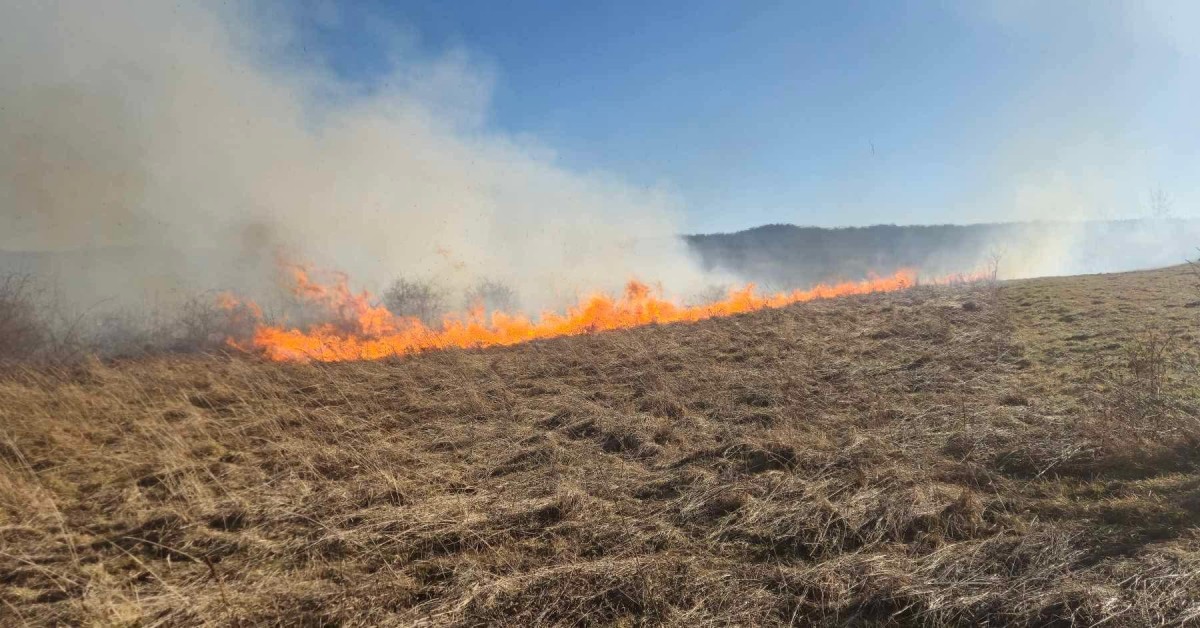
(1024, 454)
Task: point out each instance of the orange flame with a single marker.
(363, 331)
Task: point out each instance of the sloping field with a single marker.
(1020, 454)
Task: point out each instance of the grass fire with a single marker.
(979, 453)
(361, 329)
(340, 314)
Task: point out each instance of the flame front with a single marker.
(363, 331)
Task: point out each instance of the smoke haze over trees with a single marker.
(788, 256)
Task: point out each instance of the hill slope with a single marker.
(1016, 454)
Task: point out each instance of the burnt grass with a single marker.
(1023, 453)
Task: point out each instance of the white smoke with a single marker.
(170, 133)
(1094, 133)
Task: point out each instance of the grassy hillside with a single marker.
(1023, 454)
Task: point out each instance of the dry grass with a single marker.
(22, 330)
(938, 457)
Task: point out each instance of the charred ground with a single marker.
(1022, 453)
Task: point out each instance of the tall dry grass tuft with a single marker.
(23, 332)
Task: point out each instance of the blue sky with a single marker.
(834, 113)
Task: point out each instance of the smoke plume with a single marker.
(163, 146)
(1101, 130)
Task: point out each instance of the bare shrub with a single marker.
(994, 257)
(1161, 204)
(38, 326)
(23, 330)
(709, 294)
(120, 333)
(416, 298)
(202, 324)
(492, 296)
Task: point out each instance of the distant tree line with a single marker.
(788, 256)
